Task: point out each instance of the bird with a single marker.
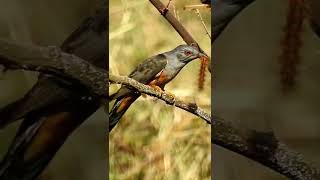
(224, 11)
(156, 72)
(53, 108)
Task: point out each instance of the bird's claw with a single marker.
(171, 96)
(157, 88)
(168, 95)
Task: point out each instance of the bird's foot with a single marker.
(157, 89)
(166, 95)
(171, 96)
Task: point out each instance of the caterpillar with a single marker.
(291, 44)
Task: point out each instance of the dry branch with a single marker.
(190, 107)
(52, 60)
(265, 148)
(196, 6)
(174, 22)
(185, 35)
(202, 22)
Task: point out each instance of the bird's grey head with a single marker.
(186, 53)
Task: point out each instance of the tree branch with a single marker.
(263, 147)
(174, 22)
(185, 35)
(52, 60)
(190, 107)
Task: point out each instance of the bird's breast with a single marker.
(168, 73)
(160, 80)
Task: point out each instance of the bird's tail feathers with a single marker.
(9, 113)
(12, 167)
(119, 108)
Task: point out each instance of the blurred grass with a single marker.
(154, 140)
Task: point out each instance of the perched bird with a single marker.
(53, 109)
(156, 71)
(224, 11)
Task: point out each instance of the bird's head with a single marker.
(186, 53)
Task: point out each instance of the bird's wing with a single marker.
(144, 73)
(42, 95)
(92, 35)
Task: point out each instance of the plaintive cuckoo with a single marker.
(155, 71)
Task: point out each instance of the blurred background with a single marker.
(248, 90)
(154, 140)
(83, 156)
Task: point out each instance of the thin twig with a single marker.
(175, 11)
(196, 6)
(167, 6)
(202, 22)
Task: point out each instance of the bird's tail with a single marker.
(8, 112)
(14, 165)
(119, 108)
(36, 99)
(37, 141)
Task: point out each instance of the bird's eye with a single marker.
(187, 53)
